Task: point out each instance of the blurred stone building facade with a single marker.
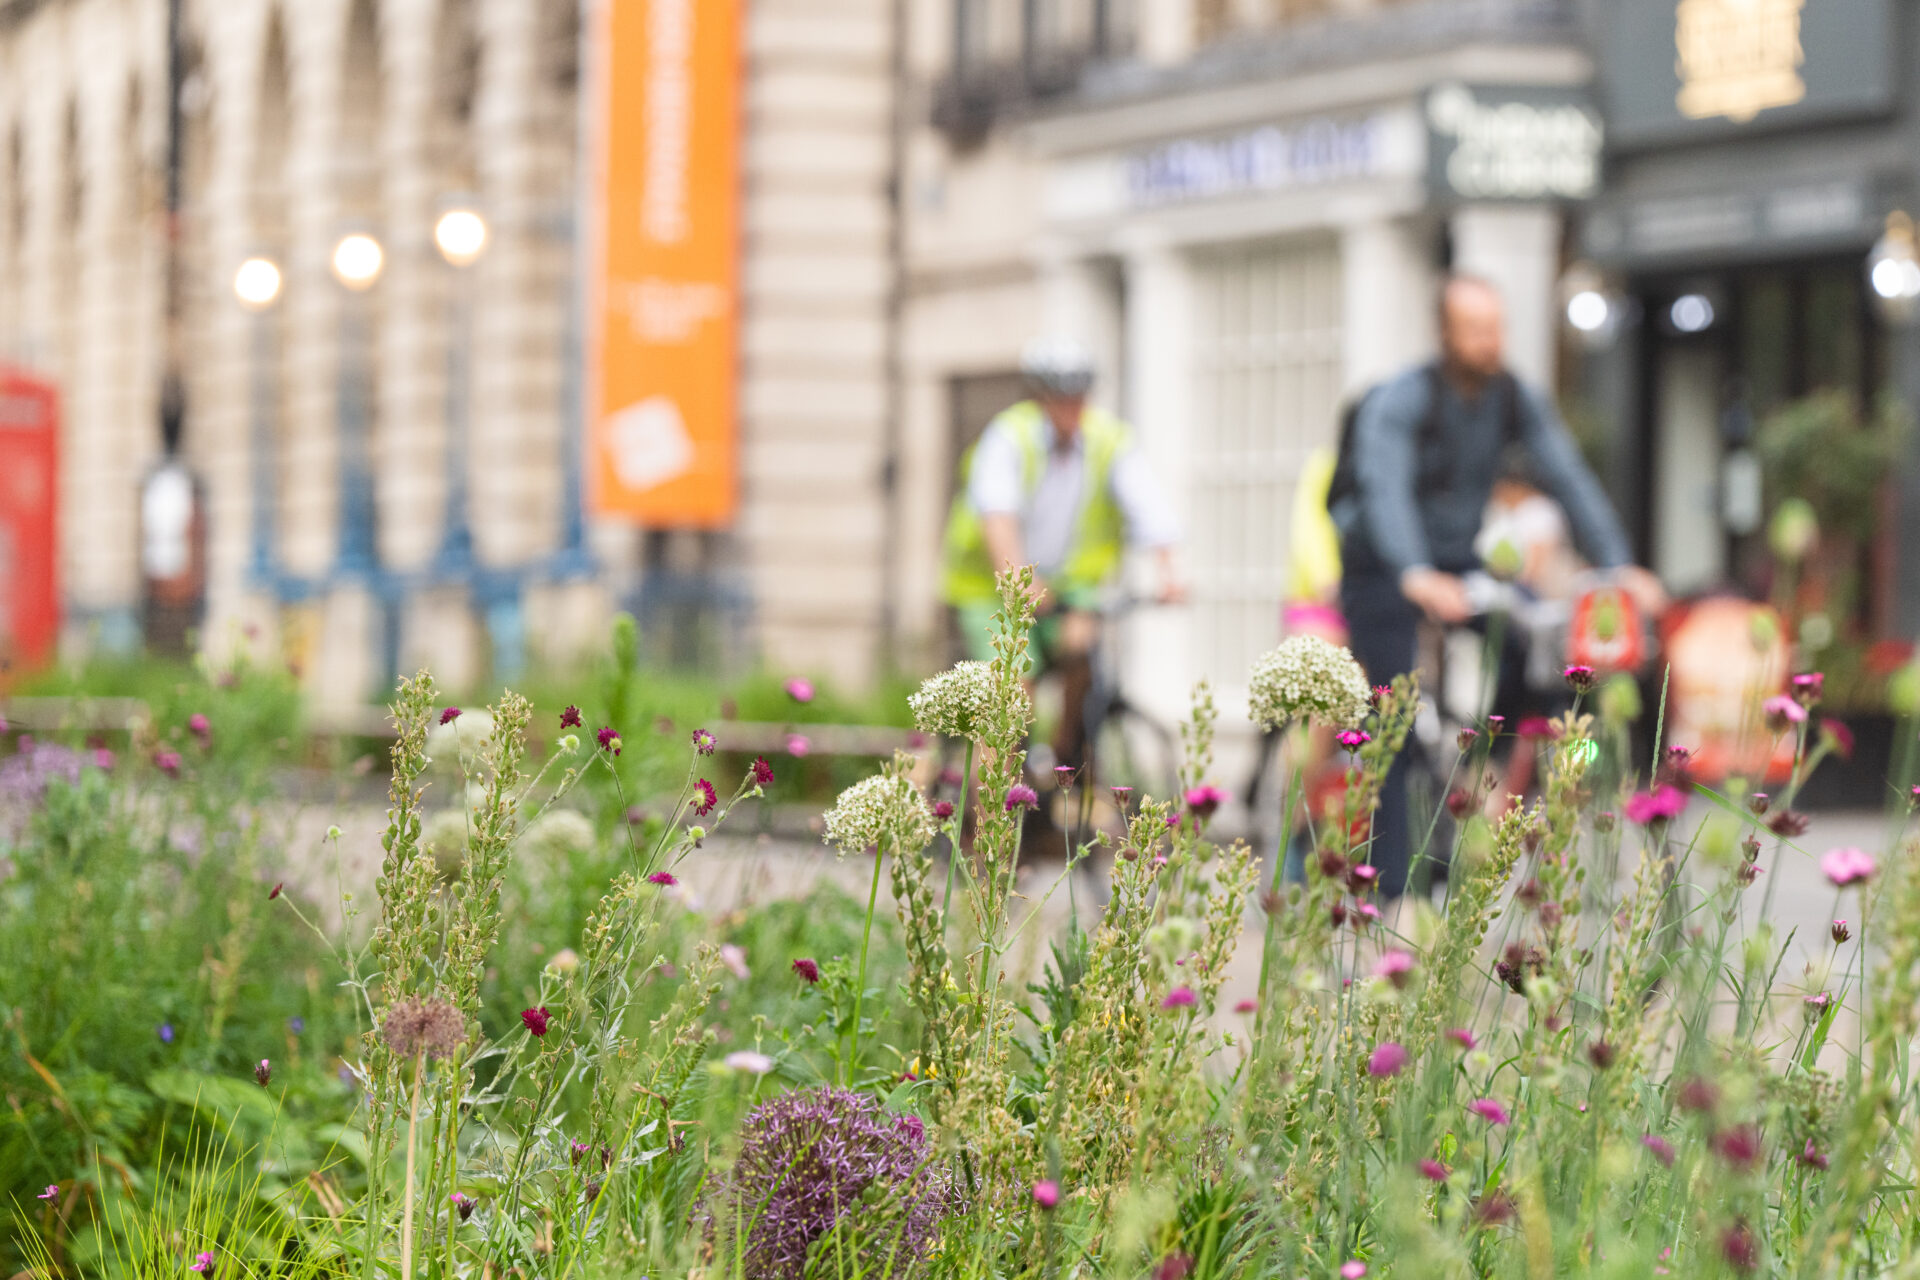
(324, 429)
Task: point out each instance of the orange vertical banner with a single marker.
(662, 440)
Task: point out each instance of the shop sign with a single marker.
(1679, 69)
(1488, 143)
(1800, 217)
(663, 440)
(1270, 158)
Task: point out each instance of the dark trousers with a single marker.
(1384, 628)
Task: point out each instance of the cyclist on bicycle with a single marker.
(1060, 485)
(1425, 451)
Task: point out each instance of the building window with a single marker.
(1267, 383)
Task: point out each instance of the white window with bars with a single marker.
(1267, 380)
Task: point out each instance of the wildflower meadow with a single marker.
(530, 1053)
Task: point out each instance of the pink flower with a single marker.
(570, 718)
(1783, 713)
(703, 742)
(202, 1262)
(1462, 1037)
(1490, 1111)
(1395, 966)
(808, 970)
(735, 958)
(1465, 738)
(1366, 913)
(1204, 799)
(1121, 795)
(704, 798)
(1839, 931)
(1838, 738)
(1046, 1193)
(1847, 866)
(1537, 727)
(943, 809)
(1809, 1156)
(1179, 998)
(1021, 796)
(1807, 686)
(608, 739)
(665, 878)
(1649, 807)
(53, 1192)
(1433, 1171)
(1246, 1006)
(1579, 678)
(1387, 1060)
(168, 762)
(449, 715)
(800, 689)
(1662, 1149)
(536, 1020)
(263, 1072)
(1739, 1146)
(199, 726)
(1353, 739)
(1352, 1269)
(798, 745)
(762, 772)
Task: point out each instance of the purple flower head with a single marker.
(1580, 678)
(263, 1072)
(536, 1020)
(449, 715)
(943, 809)
(1837, 737)
(1806, 687)
(609, 739)
(1175, 1266)
(199, 726)
(1658, 805)
(762, 772)
(798, 745)
(1466, 738)
(167, 762)
(1662, 1149)
(1433, 1171)
(1463, 1037)
(1179, 998)
(202, 1262)
(1246, 1006)
(1490, 1111)
(1204, 799)
(808, 970)
(53, 1192)
(1739, 1146)
(666, 879)
(1046, 1193)
(1739, 1247)
(800, 689)
(1021, 796)
(1846, 866)
(1063, 775)
(1122, 795)
(1353, 1269)
(1840, 931)
(810, 1155)
(165, 1032)
(704, 798)
(1387, 1060)
(703, 742)
(570, 718)
(462, 1203)
(1809, 1157)
(1353, 739)
(1396, 966)
(1783, 713)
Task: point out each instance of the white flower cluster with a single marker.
(884, 809)
(1307, 679)
(957, 702)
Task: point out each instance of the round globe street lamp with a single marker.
(357, 262)
(257, 287)
(1893, 270)
(1587, 307)
(461, 237)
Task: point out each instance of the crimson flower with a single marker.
(1662, 1149)
(449, 715)
(1649, 807)
(943, 809)
(1538, 727)
(762, 772)
(570, 718)
(1179, 998)
(808, 970)
(1046, 1193)
(1204, 799)
(1580, 678)
(609, 739)
(1490, 1111)
(276, 891)
(703, 742)
(706, 798)
(1787, 822)
(662, 878)
(1021, 796)
(1433, 1171)
(1387, 1060)
(1739, 1146)
(1739, 1248)
(536, 1020)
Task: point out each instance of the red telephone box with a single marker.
(29, 499)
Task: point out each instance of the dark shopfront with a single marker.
(1752, 245)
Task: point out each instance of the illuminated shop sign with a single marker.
(1512, 143)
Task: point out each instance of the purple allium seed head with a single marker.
(570, 718)
(704, 798)
(808, 1156)
(433, 1027)
(703, 742)
(809, 970)
(449, 715)
(762, 772)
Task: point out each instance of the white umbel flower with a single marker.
(957, 702)
(886, 809)
(1307, 679)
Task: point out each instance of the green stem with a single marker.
(406, 1212)
(848, 1058)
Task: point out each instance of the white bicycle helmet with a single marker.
(1057, 366)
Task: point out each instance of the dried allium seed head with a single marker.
(1307, 679)
(433, 1027)
(884, 809)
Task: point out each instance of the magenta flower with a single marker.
(800, 689)
(943, 809)
(1046, 1193)
(798, 745)
(462, 1203)
(1121, 795)
(703, 742)
(1021, 796)
(1846, 866)
(168, 762)
(1837, 737)
(1537, 727)
(1353, 739)
(536, 1020)
(1809, 1157)
(1840, 931)
(1179, 998)
(1739, 1247)
(1783, 712)
(1245, 1006)
(263, 1072)
(1466, 738)
(1659, 805)
(1662, 1149)
(608, 739)
(663, 878)
(1063, 775)
(1462, 1037)
(1352, 1269)
(53, 1192)
(1433, 1171)
(275, 891)
(1807, 686)
(1396, 966)
(202, 1262)
(1204, 799)
(1366, 913)
(1490, 1111)
(1739, 1146)
(449, 715)
(1580, 678)
(762, 772)
(570, 718)
(808, 970)
(199, 726)
(704, 798)
(1387, 1060)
